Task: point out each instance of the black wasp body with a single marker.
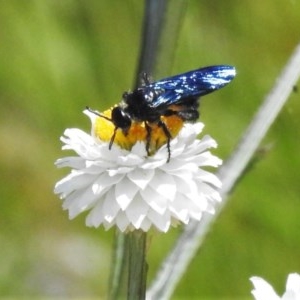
(178, 95)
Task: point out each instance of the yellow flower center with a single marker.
(104, 130)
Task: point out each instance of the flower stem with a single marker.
(137, 266)
(116, 281)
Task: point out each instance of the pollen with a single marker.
(104, 130)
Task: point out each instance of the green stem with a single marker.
(137, 268)
(119, 260)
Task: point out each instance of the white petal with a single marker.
(139, 149)
(110, 206)
(80, 201)
(75, 179)
(179, 209)
(125, 191)
(129, 159)
(137, 211)
(71, 161)
(95, 217)
(263, 290)
(188, 186)
(122, 222)
(119, 170)
(156, 201)
(164, 184)
(146, 225)
(104, 182)
(197, 207)
(141, 177)
(154, 162)
(161, 222)
(206, 159)
(177, 167)
(292, 287)
(209, 178)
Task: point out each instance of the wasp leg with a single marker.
(185, 114)
(148, 137)
(188, 115)
(168, 135)
(112, 138)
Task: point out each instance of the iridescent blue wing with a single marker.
(174, 90)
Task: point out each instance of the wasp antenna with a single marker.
(98, 114)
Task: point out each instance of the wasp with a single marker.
(177, 95)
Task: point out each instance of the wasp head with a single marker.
(120, 119)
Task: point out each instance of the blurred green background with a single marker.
(56, 57)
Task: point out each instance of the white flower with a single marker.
(131, 190)
(264, 291)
